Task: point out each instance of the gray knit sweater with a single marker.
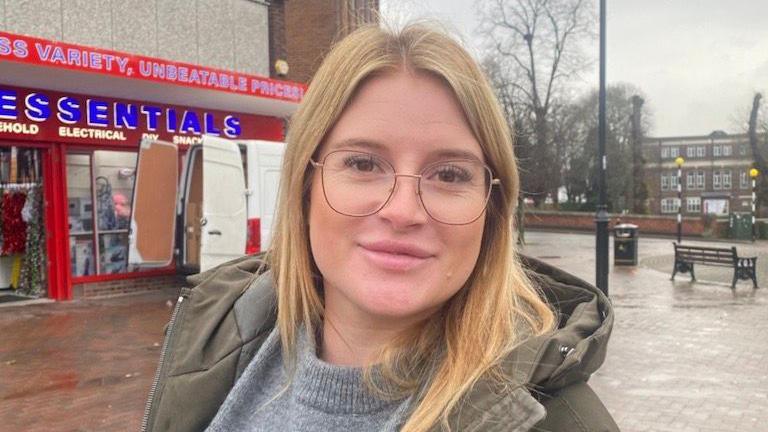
(322, 397)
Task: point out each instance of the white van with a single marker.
(213, 213)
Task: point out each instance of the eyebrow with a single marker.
(365, 144)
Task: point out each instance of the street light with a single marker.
(601, 216)
(679, 161)
(754, 173)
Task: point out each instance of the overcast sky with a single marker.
(698, 62)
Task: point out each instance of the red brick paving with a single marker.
(82, 365)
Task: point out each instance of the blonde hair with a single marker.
(497, 307)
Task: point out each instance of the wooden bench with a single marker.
(687, 256)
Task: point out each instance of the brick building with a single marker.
(715, 174)
(302, 32)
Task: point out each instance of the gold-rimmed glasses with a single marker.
(453, 192)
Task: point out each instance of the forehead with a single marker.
(405, 114)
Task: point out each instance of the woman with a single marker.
(392, 297)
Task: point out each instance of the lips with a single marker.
(395, 256)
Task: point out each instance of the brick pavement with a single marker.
(683, 357)
(79, 366)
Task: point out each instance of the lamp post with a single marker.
(679, 161)
(601, 215)
(754, 173)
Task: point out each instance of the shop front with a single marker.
(68, 150)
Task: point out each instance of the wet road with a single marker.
(683, 356)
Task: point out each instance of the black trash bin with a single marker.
(625, 244)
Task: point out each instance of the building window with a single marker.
(701, 151)
(664, 182)
(674, 152)
(690, 151)
(98, 238)
(744, 180)
(716, 150)
(690, 180)
(726, 179)
(727, 150)
(700, 180)
(664, 152)
(743, 150)
(670, 205)
(693, 205)
(673, 181)
(716, 180)
(716, 206)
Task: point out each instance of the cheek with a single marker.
(462, 248)
(325, 229)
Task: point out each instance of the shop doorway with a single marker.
(22, 224)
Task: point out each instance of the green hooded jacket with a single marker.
(217, 327)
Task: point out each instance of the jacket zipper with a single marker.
(161, 364)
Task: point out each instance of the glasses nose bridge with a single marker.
(414, 176)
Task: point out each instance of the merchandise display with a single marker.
(22, 241)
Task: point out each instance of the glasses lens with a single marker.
(455, 192)
(355, 183)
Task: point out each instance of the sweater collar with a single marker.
(331, 388)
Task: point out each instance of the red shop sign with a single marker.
(42, 115)
(42, 52)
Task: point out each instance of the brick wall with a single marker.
(302, 32)
(578, 221)
(126, 286)
(277, 49)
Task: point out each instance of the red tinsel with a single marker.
(14, 227)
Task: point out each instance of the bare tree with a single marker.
(536, 45)
(516, 119)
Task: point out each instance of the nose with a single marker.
(404, 207)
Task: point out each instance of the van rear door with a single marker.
(153, 213)
(265, 159)
(223, 227)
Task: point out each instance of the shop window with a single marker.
(100, 186)
(22, 231)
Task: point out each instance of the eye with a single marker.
(450, 174)
(362, 163)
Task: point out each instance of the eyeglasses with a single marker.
(453, 192)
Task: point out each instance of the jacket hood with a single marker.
(577, 348)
